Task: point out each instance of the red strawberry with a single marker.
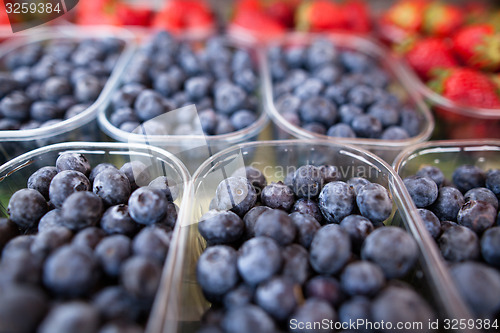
(133, 15)
(258, 24)
(359, 16)
(407, 15)
(442, 19)
(424, 55)
(180, 15)
(281, 11)
(320, 15)
(467, 87)
(478, 46)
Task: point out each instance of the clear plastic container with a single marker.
(453, 120)
(82, 127)
(185, 301)
(194, 149)
(387, 149)
(448, 155)
(14, 175)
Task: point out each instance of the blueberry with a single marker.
(73, 161)
(276, 224)
(490, 246)
(26, 207)
(111, 252)
(477, 215)
(242, 119)
(278, 69)
(357, 308)
(117, 220)
(336, 201)
(448, 203)
(197, 87)
(87, 89)
(321, 52)
(467, 177)
(126, 95)
(431, 222)
(259, 259)
(395, 133)
(140, 277)
(20, 243)
(387, 114)
(98, 168)
(171, 217)
(240, 296)
(358, 227)
(208, 121)
(81, 209)
(306, 226)
(310, 88)
(295, 78)
(355, 61)
(40, 180)
(308, 207)
(21, 267)
(88, 237)
(250, 219)
(49, 240)
(75, 110)
(326, 288)
(122, 115)
(479, 285)
(149, 104)
(66, 183)
(15, 106)
(221, 227)
(8, 230)
(60, 267)
(362, 278)
(493, 181)
(255, 177)
(76, 316)
(392, 249)
(161, 183)
(114, 303)
(318, 109)
(137, 173)
(247, 80)
(374, 202)
(7, 84)
(22, 76)
(7, 124)
(295, 56)
(147, 205)
(363, 96)
(229, 98)
(423, 190)
(341, 131)
(22, 308)
(241, 60)
(433, 173)
(278, 196)
(112, 186)
(66, 102)
(288, 104)
(224, 125)
(330, 249)
(236, 194)
(328, 74)
(31, 124)
(54, 88)
(44, 111)
(166, 83)
(397, 304)
(315, 128)
(330, 173)
(216, 269)
(277, 297)
(337, 93)
(307, 181)
(296, 263)
(366, 126)
(481, 194)
(152, 242)
(248, 319)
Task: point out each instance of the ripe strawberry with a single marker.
(467, 87)
(407, 15)
(320, 15)
(132, 15)
(258, 24)
(359, 16)
(180, 15)
(442, 19)
(478, 46)
(282, 11)
(424, 55)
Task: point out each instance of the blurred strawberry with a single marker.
(180, 15)
(320, 15)
(478, 46)
(282, 11)
(258, 24)
(133, 15)
(407, 15)
(424, 55)
(467, 87)
(358, 15)
(248, 5)
(97, 12)
(441, 19)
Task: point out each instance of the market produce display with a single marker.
(83, 247)
(311, 248)
(167, 74)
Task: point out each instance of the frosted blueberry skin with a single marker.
(236, 194)
(147, 205)
(248, 319)
(458, 243)
(392, 249)
(26, 207)
(140, 276)
(117, 220)
(433, 173)
(278, 196)
(307, 182)
(40, 180)
(326, 288)
(493, 181)
(358, 227)
(137, 174)
(152, 242)
(241, 295)
(374, 202)
(448, 203)
(111, 252)
(482, 194)
(477, 215)
(88, 237)
(277, 297)
(296, 263)
(330, 249)
(52, 218)
(490, 246)
(467, 177)
(306, 226)
(423, 190)
(112, 186)
(221, 227)
(114, 303)
(81, 209)
(98, 168)
(250, 219)
(276, 224)
(308, 207)
(336, 201)
(362, 278)
(358, 307)
(216, 269)
(50, 240)
(431, 222)
(314, 310)
(74, 316)
(66, 183)
(259, 259)
(73, 161)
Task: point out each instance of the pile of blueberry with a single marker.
(46, 83)
(339, 93)
(311, 249)
(462, 215)
(168, 74)
(83, 248)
